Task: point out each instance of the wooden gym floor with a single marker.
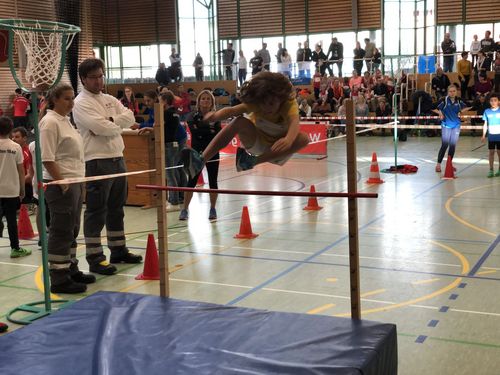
(429, 251)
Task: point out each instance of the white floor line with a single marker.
(321, 295)
(347, 256)
(19, 264)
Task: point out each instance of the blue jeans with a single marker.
(448, 63)
(449, 138)
(175, 177)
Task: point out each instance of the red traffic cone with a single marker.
(449, 173)
(24, 228)
(245, 226)
(374, 172)
(151, 265)
(312, 203)
(200, 181)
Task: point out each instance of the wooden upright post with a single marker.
(161, 200)
(352, 211)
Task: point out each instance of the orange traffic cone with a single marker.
(245, 226)
(201, 181)
(374, 172)
(312, 203)
(449, 173)
(151, 264)
(24, 228)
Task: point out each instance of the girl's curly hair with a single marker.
(265, 85)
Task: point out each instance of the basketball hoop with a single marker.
(45, 43)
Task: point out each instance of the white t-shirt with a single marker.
(475, 47)
(102, 138)
(34, 181)
(11, 155)
(61, 143)
(242, 62)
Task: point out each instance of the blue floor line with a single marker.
(484, 257)
(298, 264)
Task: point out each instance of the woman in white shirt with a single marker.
(62, 157)
(475, 47)
(242, 71)
(286, 63)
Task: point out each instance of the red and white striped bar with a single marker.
(312, 118)
(261, 192)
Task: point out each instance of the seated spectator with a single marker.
(483, 64)
(361, 110)
(355, 84)
(162, 75)
(440, 84)
(346, 88)
(483, 87)
(150, 98)
(383, 110)
(320, 107)
(368, 81)
(182, 102)
(317, 84)
(256, 63)
(380, 92)
(305, 109)
(129, 100)
(336, 94)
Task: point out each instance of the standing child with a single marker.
(491, 119)
(449, 111)
(11, 184)
(269, 129)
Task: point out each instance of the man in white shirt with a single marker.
(100, 119)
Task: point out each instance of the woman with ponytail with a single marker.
(62, 157)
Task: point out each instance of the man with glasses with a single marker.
(100, 119)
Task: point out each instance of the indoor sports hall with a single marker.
(373, 249)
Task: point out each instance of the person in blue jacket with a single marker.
(449, 110)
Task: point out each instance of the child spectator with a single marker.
(150, 98)
(172, 150)
(317, 84)
(483, 87)
(20, 136)
(129, 100)
(491, 126)
(11, 184)
(305, 109)
(440, 83)
(269, 131)
(21, 106)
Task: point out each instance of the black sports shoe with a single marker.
(69, 287)
(102, 268)
(125, 258)
(83, 278)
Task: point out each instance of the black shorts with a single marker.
(493, 144)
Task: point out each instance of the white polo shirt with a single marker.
(101, 137)
(61, 143)
(11, 155)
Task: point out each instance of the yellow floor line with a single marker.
(39, 283)
(465, 222)
(332, 279)
(427, 281)
(321, 308)
(453, 285)
(134, 286)
(372, 293)
(486, 272)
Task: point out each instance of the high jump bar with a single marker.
(260, 192)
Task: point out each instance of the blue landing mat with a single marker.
(123, 333)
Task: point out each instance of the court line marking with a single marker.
(372, 293)
(486, 272)
(451, 286)
(40, 286)
(460, 219)
(332, 279)
(320, 309)
(484, 257)
(427, 281)
(347, 256)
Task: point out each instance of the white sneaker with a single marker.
(173, 207)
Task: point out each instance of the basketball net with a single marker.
(43, 53)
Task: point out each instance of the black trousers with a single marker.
(65, 210)
(8, 208)
(105, 200)
(213, 173)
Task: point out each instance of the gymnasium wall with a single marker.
(48, 10)
(468, 11)
(274, 18)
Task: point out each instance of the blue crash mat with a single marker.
(123, 333)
